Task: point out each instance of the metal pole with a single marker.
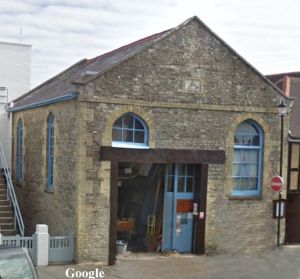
(280, 172)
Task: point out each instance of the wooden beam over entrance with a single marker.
(108, 153)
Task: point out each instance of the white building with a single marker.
(14, 81)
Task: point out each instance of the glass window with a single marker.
(247, 159)
(181, 175)
(20, 151)
(130, 131)
(50, 152)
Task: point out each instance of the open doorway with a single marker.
(140, 206)
(155, 206)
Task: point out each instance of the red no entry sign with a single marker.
(276, 183)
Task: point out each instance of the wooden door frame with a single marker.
(164, 156)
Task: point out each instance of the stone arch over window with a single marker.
(130, 131)
(247, 162)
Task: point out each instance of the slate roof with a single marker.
(290, 84)
(62, 86)
(63, 83)
(278, 79)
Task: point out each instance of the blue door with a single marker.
(178, 207)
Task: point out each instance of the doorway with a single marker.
(140, 205)
(178, 207)
(200, 158)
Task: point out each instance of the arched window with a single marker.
(20, 150)
(247, 159)
(50, 152)
(130, 131)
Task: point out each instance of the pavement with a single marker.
(282, 263)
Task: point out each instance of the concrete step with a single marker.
(6, 219)
(7, 226)
(3, 197)
(5, 207)
(6, 213)
(4, 203)
(8, 232)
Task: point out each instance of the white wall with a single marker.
(15, 76)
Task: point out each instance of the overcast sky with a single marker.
(265, 32)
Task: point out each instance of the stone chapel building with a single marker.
(168, 143)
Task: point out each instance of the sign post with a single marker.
(276, 186)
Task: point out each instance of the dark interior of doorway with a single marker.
(140, 206)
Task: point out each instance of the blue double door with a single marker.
(178, 207)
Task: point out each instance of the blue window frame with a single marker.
(247, 159)
(130, 131)
(20, 151)
(183, 175)
(50, 152)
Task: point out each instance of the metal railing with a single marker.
(11, 196)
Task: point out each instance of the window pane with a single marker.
(117, 134)
(238, 139)
(254, 156)
(138, 124)
(171, 169)
(236, 183)
(252, 184)
(237, 156)
(295, 156)
(245, 156)
(255, 141)
(118, 123)
(128, 121)
(253, 170)
(181, 169)
(170, 184)
(139, 136)
(128, 135)
(244, 169)
(236, 170)
(294, 180)
(189, 184)
(180, 187)
(190, 170)
(244, 184)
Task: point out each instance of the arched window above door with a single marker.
(130, 131)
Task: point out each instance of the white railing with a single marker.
(11, 196)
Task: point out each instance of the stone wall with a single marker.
(155, 84)
(57, 209)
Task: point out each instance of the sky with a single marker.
(62, 32)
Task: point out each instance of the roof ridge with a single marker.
(281, 74)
